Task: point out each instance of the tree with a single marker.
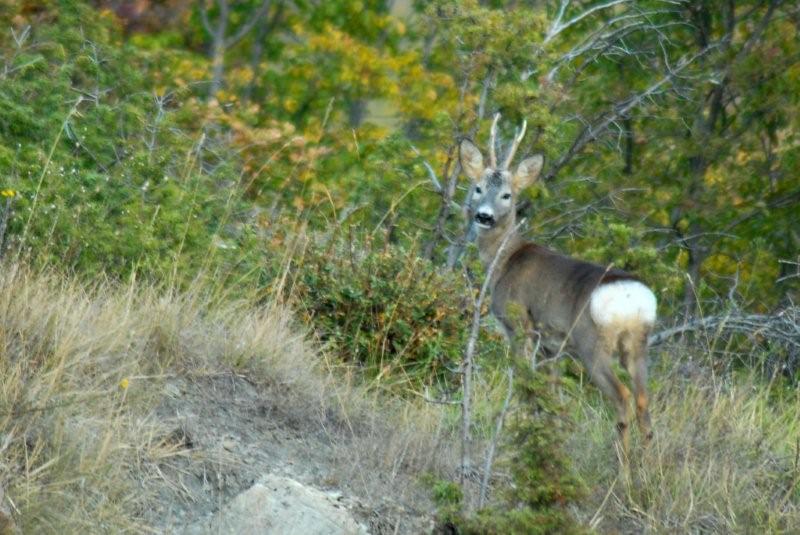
(227, 24)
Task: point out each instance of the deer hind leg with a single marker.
(599, 367)
(633, 353)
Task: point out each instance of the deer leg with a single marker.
(548, 346)
(634, 349)
(516, 328)
(608, 383)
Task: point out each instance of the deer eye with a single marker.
(506, 196)
(478, 189)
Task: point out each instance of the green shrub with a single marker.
(107, 179)
(543, 483)
(385, 309)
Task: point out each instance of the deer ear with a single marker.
(471, 160)
(527, 172)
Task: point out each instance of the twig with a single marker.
(439, 401)
(437, 186)
(558, 27)
(487, 467)
(594, 130)
(4, 217)
(783, 326)
(466, 403)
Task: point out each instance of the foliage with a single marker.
(318, 110)
(142, 144)
(383, 308)
(708, 155)
(107, 182)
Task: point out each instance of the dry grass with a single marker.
(724, 459)
(84, 368)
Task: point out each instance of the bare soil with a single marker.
(227, 433)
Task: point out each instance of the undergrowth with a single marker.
(382, 308)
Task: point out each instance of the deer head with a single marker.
(494, 187)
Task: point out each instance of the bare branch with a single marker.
(254, 19)
(557, 27)
(783, 326)
(606, 41)
(5, 215)
(592, 131)
(437, 186)
(795, 275)
(201, 5)
(485, 86)
(487, 466)
(559, 16)
(439, 401)
(469, 355)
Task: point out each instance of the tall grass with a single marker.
(725, 457)
(83, 368)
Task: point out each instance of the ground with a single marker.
(228, 435)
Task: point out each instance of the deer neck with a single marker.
(491, 240)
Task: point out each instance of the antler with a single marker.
(493, 142)
(517, 138)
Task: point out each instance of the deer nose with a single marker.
(484, 218)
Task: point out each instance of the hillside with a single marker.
(136, 408)
(133, 407)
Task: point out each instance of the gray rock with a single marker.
(282, 506)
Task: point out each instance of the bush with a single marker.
(385, 309)
(107, 180)
(543, 483)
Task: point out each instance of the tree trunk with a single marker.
(356, 111)
(217, 66)
(697, 256)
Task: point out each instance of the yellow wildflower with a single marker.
(124, 383)
(8, 193)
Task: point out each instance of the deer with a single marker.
(595, 311)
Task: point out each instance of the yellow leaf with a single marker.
(290, 105)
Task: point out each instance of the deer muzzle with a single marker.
(484, 218)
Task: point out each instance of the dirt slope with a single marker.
(227, 435)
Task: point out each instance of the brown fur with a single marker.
(553, 290)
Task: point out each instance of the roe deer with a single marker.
(596, 311)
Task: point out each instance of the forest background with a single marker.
(306, 151)
(669, 128)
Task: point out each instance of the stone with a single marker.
(278, 505)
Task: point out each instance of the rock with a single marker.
(282, 506)
(229, 443)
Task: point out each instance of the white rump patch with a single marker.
(624, 300)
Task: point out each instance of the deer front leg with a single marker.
(517, 329)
